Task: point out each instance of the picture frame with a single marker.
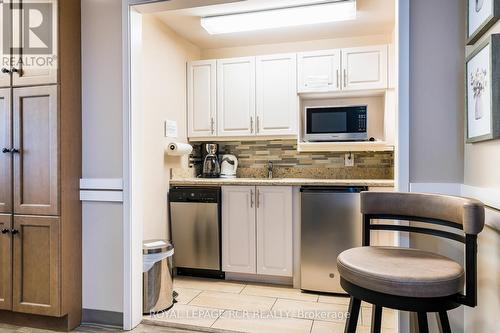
(481, 15)
(482, 101)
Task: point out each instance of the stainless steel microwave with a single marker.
(336, 123)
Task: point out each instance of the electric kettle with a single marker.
(229, 164)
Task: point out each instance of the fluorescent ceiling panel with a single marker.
(279, 18)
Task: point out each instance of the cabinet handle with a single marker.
(14, 231)
(338, 78)
(5, 70)
(251, 198)
(15, 70)
(345, 78)
(5, 231)
(6, 150)
(15, 151)
(251, 124)
(257, 126)
(212, 127)
(258, 198)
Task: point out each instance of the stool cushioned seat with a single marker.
(401, 271)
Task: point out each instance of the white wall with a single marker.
(312, 45)
(482, 162)
(164, 57)
(102, 152)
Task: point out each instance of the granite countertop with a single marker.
(282, 181)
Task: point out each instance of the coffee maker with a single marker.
(211, 166)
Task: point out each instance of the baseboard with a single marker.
(260, 278)
(101, 317)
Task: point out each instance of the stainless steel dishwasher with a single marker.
(195, 222)
(331, 222)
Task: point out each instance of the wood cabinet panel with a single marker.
(36, 263)
(5, 263)
(38, 63)
(5, 158)
(36, 183)
(236, 96)
(4, 40)
(277, 102)
(238, 229)
(202, 95)
(274, 231)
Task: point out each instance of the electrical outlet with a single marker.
(349, 160)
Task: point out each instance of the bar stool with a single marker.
(409, 279)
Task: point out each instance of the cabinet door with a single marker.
(277, 101)
(36, 258)
(5, 263)
(36, 137)
(5, 158)
(202, 98)
(36, 60)
(236, 97)
(274, 231)
(238, 229)
(4, 41)
(365, 68)
(319, 71)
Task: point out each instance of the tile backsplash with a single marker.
(253, 157)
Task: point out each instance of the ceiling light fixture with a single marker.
(281, 17)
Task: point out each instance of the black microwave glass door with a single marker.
(334, 120)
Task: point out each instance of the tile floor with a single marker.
(224, 306)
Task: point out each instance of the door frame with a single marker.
(132, 223)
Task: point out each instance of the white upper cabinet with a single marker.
(238, 229)
(277, 102)
(39, 63)
(202, 98)
(236, 96)
(319, 71)
(4, 68)
(274, 231)
(365, 68)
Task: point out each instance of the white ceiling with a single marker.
(374, 17)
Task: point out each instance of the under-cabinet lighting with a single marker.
(282, 17)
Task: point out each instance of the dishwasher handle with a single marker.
(333, 189)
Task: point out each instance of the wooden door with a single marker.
(236, 96)
(202, 94)
(36, 164)
(365, 68)
(5, 155)
(36, 261)
(319, 71)
(238, 229)
(274, 231)
(5, 262)
(37, 61)
(277, 101)
(4, 42)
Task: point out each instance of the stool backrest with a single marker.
(454, 212)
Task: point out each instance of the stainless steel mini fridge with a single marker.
(331, 222)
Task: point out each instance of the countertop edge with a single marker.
(283, 182)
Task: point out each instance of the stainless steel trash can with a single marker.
(157, 276)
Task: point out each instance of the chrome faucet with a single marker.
(270, 170)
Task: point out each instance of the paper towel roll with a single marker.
(179, 149)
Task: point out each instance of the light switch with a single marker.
(171, 129)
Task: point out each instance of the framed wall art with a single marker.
(481, 15)
(483, 91)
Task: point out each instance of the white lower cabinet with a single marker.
(274, 231)
(257, 230)
(238, 229)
